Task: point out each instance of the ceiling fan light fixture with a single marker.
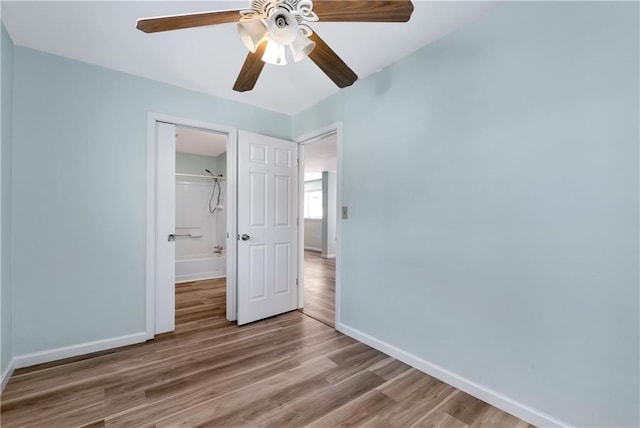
(282, 27)
(252, 33)
(301, 47)
(273, 29)
(274, 54)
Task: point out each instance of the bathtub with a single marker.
(200, 266)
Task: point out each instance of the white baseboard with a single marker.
(494, 398)
(6, 374)
(328, 256)
(75, 350)
(317, 250)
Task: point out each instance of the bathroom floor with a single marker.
(199, 301)
(319, 287)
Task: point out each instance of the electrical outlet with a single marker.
(345, 213)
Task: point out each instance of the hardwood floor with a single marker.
(287, 371)
(319, 287)
(200, 301)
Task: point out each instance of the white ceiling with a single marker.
(198, 142)
(320, 156)
(208, 59)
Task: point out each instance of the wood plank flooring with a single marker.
(287, 371)
(319, 287)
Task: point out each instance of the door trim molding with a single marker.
(334, 128)
(230, 205)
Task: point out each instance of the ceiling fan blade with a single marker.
(331, 64)
(251, 70)
(363, 10)
(178, 22)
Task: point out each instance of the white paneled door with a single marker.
(267, 226)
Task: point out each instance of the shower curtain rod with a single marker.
(199, 176)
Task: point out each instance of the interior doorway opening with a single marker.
(200, 226)
(259, 194)
(164, 173)
(320, 227)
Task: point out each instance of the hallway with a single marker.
(319, 287)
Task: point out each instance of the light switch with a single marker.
(345, 213)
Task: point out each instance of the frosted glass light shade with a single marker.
(301, 47)
(274, 54)
(252, 33)
(282, 27)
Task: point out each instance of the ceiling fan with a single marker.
(269, 27)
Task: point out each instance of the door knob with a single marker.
(245, 237)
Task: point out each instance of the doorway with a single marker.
(200, 226)
(162, 269)
(320, 227)
(261, 261)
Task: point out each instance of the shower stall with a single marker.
(200, 226)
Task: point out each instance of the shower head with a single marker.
(209, 172)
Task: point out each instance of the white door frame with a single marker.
(304, 139)
(230, 208)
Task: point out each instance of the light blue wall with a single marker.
(188, 163)
(506, 249)
(79, 186)
(6, 330)
(312, 185)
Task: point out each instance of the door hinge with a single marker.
(296, 281)
(227, 235)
